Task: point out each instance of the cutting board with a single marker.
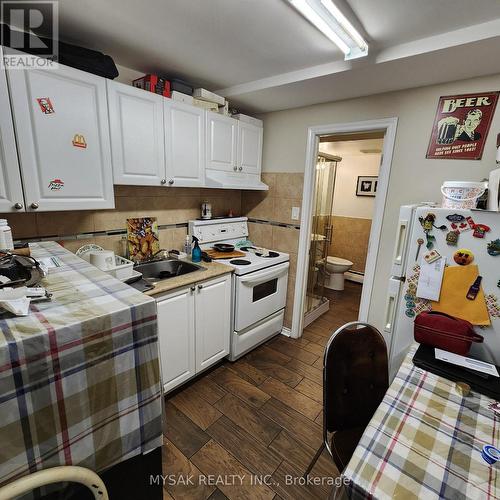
(225, 255)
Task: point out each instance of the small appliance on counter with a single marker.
(206, 210)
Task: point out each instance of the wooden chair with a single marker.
(60, 474)
(355, 379)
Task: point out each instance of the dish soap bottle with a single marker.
(196, 252)
(187, 246)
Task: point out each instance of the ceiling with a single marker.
(264, 56)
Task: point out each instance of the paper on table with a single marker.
(470, 363)
(431, 277)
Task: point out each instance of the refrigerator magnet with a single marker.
(432, 256)
(455, 218)
(494, 247)
(79, 141)
(463, 257)
(474, 288)
(452, 238)
(45, 105)
(480, 230)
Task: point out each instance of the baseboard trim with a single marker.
(319, 311)
(356, 277)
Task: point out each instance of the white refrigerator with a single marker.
(402, 306)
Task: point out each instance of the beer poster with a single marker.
(461, 126)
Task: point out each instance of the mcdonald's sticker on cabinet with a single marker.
(79, 141)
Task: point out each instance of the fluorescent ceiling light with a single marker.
(327, 17)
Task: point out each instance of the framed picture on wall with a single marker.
(367, 185)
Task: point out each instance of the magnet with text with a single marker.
(494, 247)
(79, 141)
(480, 230)
(56, 184)
(452, 238)
(463, 257)
(432, 256)
(455, 218)
(45, 105)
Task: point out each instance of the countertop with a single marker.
(211, 270)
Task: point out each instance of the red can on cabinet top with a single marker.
(153, 83)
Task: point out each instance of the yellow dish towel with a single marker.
(456, 283)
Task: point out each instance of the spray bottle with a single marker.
(196, 252)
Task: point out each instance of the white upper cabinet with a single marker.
(11, 190)
(137, 139)
(184, 144)
(61, 122)
(249, 148)
(222, 142)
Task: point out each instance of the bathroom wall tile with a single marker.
(285, 239)
(64, 223)
(117, 243)
(270, 180)
(178, 236)
(260, 234)
(289, 185)
(165, 239)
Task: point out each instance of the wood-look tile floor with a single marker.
(260, 416)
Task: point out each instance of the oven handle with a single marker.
(257, 278)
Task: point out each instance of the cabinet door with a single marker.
(137, 143)
(11, 191)
(213, 321)
(61, 121)
(222, 141)
(176, 338)
(184, 144)
(249, 148)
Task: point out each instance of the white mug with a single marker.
(104, 260)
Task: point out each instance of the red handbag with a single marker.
(445, 332)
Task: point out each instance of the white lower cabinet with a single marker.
(194, 327)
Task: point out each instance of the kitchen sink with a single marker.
(166, 269)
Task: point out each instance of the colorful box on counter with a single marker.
(153, 83)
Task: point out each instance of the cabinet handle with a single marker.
(193, 288)
(200, 287)
(34, 206)
(163, 181)
(240, 169)
(235, 168)
(171, 181)
(18, 206)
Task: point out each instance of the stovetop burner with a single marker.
(239, 262)
(271, 255)
(247, 249)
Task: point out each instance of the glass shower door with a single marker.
(321, 232)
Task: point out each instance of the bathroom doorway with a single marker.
(345, 186)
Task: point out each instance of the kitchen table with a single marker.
(425, 441)
(79, 376)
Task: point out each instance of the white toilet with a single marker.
(336, 267)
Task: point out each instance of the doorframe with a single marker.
(389, 126)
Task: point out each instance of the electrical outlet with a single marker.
(295, 213)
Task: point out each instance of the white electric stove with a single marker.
(259, 283)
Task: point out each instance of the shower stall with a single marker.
(316, 303)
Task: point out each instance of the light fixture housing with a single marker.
(327, 17)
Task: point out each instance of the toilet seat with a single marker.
(339, 261)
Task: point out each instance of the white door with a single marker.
(137, 142)
(61, 122)
(11, 190)
(213, 321)
(249, 148)
(176, 337)
(184, 144)
(222, 142)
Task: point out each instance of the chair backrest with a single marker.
(355, 376)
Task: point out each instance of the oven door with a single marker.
(260, 294)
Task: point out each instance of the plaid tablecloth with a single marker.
(425, 441)
(79, 377)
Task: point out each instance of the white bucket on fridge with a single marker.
(460, 194)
